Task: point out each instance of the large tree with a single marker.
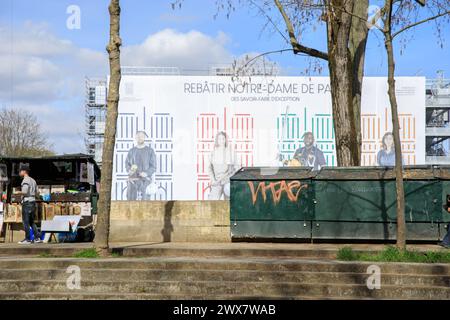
(104, 203)
(21, 135)
(398, 17)
(345, 39)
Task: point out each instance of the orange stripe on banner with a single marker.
(414, 128)
(373, 128)
(364, 128)
(386, 118)
(409, 128)
(403, 128)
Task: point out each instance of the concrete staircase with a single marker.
(201, 274)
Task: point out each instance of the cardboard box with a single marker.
(10, 213)
(80, 208)
(57, 189)
(14, 213)
(49, 212)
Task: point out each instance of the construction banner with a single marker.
(182, 137)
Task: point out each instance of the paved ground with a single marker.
(218, 246)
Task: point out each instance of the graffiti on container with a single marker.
(292, 190)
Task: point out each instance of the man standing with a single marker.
(140, 165)
(28, 191)
(309, 155)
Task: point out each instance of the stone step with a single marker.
(238, 264)
(222, 252)
(74, 295)
(148, 251)
(224, 275)
(40, 250)
(213, 288)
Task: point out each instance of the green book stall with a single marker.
(67, 187)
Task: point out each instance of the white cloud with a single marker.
(45, 74)
(168, 48)
(38, 67)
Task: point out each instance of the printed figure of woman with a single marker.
(221, 168)
(386, 156)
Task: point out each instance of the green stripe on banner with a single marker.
(323, 120)
(293, 127)
(304, 129)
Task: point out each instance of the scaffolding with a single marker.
(149, 71)
(95, 116)
(437, 130)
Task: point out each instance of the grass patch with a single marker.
(393, 254)
(86, 253)
(46, 255)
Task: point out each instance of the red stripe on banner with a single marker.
(247, 127)
(225, 119)
(232, 128)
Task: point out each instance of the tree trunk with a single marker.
(341, 79)
(401, 224)
(357, 46)
(104, 203)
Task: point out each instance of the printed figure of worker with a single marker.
(446, 240)
(221, 168)
(386, 156)
(29, 192)
(310, 155)
(141, 167)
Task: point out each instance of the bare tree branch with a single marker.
(420, 22)
(293, 40)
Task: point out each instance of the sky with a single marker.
(43, 62)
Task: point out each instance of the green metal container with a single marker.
(271, 203)
(337, 203)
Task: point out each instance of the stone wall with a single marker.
(170, 221)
